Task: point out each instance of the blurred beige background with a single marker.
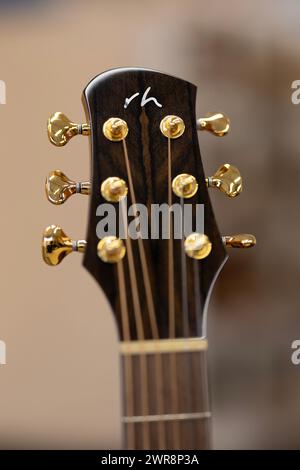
(60, 387)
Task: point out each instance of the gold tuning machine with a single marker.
(61, 129)
(56, 245)
(59, 187)
(218, 124)
(243, 240)
(227, 179)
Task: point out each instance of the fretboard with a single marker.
(166, 403)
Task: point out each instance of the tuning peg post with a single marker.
(56, 245)
(111, 249)
(227, 179)
(218, 124)
(184, 185)
(197, 245)
(59, 187)
(61, 129)
(243, 240)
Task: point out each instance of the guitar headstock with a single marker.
(157, 267)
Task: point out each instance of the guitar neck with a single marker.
(166, 403)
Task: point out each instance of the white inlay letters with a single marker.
(145, 99)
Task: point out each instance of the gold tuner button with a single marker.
(61, 129)
(184, 185)
(114, 189)
(56, 245)
(197, 245)
(172, 126)
(243, 240)
(218, 124)
(111, 249)
(59, 187)
(227, 179)
(115, 129)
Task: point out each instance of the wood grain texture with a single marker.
(147, 149)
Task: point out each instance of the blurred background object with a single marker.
(60, 387)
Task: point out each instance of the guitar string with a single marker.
(152, 317)
(133, 280)
(197, 297)
(160, 398)
(197, 309)
(146, 277)
(187, 357)
(151, 309)
(157, 358)
(171, 296)
(171, 299)
(184, 293)
(202, 357)
(140, 330)
(130, 434)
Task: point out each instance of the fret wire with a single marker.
(167, 417)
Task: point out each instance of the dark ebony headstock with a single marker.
(148, 154)
(155, 289)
